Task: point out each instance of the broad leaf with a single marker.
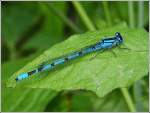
(87, 101)
(52, 28)
(34, 23)
(15, 21)
(102, 74)
(22, 99)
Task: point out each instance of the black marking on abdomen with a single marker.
(40, 68)
(80, 53)
(52, 64)
(66, 59)
(93, 47)
(16, 79)
(31, 72)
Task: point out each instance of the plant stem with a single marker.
(12, 49)
(83, 15)
(131, 14)
(107, 13)
(138, 92)
(140, 13)
(62, 17)
(90, 26)
(13, 53)
(128, 99)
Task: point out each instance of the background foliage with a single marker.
(30, 28)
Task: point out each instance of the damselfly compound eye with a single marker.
(119, 37)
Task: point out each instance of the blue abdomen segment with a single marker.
(88, 50)
(72, 56)
(59, 61)
(49, 66)
(26, 75)
(22, 76)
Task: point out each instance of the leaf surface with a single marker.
(102, 74)
(87, 101)
(22, 99)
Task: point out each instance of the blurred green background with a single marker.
(29, 28)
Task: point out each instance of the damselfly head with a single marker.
(119, 37)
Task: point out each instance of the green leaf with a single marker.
(90, 102)
(122, 7)
(47, 36)
(34, 23)
(87, 101)
(141, 94)
(29, 99)
(22, 99)
(101, 74)
(15, 21)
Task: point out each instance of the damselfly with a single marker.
(106, 43)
